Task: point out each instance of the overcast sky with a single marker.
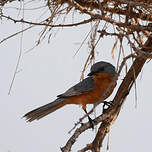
(49, 70)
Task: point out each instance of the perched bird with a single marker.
(88, 91)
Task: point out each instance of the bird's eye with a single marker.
(102, 69)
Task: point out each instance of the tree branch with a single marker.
(109, 115)
(48, 25)
(120, 96)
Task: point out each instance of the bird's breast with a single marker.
(102, 90)
(104, 85)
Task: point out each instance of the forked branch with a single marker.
(109, 115)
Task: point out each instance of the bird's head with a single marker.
(103, 67)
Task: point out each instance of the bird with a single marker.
(88, 91)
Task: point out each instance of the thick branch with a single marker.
(117, 10)
(109, 115)
(121, 94)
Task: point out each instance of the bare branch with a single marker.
(109, 115)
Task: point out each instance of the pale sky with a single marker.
(49, 70)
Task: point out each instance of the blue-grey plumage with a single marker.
(82, 87)
(103, 67)
(42, 111)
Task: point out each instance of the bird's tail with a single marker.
(45, 110)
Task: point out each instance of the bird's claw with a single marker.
(108, 104)
(91, 123)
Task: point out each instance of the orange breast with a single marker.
(101, 83)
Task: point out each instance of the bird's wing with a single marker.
(80, 88)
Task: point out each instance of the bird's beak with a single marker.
(89, 74)
(92, 73)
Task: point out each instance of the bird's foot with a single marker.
(90, 120)
(107, 104)
(91, 123)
